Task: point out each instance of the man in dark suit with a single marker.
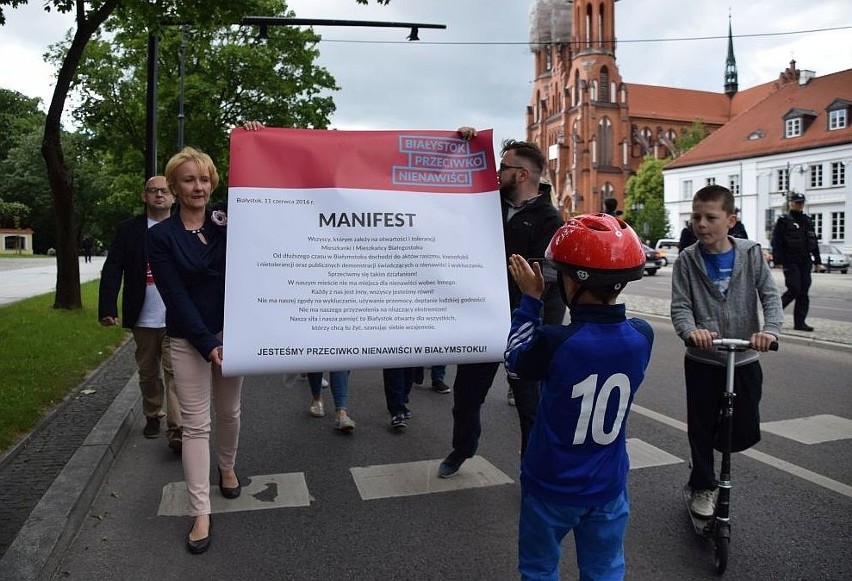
(143, 310)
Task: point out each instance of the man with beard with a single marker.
(529, 222)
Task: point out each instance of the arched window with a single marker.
(577, 97)
(600, 39)
(588, 26)
(604, 96)
(605, 143)
(593, 93)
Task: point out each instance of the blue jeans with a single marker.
(398, 382)
(598, 537)
(437, 372)
(339, 383)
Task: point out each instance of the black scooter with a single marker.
(718, 527)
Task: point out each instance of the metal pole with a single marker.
(181, 116)
(151, 108)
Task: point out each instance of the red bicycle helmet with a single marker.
(597, 250)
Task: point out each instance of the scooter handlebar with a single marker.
(734, 344)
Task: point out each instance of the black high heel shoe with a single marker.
(201, 545)
(230, 492)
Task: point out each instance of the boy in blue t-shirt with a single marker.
(574, 471)
(716, 285)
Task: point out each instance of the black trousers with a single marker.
(473, 380)
(705, 384)
(797, 279)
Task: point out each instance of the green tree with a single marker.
(691, 137)
(89, 16)
(644, 208)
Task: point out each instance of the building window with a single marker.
(836, 119)
(816, 176)
(816, 220)
(604, 98)
(838, 226)
(838, 173)
(710, 182)
(783, 180)
(605, 141)
(734, 184)
(686, 190)
(593, 91)
(793, 127)
(548, 58)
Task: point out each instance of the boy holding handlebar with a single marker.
(716, 286)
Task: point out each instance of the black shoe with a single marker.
(440, 387)
(804, 327)
(152, 428)
(418, 375)
(201, 545)
(176, 440)
(398, 422)
(230, 492)
(451, 464)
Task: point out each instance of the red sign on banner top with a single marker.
(429, 161)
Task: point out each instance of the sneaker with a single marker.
(440, 387)
(324, 382)
(152, 428)
(450, 466)
(316, 409)
(510, 397)
(344, 423)
(701, 503)
(398, 422)
(407, 414)
(804, 327)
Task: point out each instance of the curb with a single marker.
(38, 548)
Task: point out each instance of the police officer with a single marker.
(793, 243)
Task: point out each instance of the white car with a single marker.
(833, 259)
(668, 250)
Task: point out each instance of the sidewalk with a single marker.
(50, 478)
(21, 278)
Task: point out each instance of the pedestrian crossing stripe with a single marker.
(811, 430)
(375, 482)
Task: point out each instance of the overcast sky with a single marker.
(479, 70)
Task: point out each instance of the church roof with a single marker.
(760, 129)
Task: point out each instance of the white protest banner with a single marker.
(362, 249)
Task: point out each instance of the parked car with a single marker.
(833, 259)
(653, 260)
(668, 250)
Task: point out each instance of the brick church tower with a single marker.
(579, 113)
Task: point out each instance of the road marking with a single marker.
(414, 478)
(812, 430)
(644, 455)
(259, 493)
(777, 463)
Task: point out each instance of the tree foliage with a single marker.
(644, 208)
(89, 16)
(691, 137)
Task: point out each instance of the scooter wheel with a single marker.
(720, 554)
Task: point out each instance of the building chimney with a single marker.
(806, 76)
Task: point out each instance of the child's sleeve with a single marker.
(770, 296)
(526, 320)
(683, 318)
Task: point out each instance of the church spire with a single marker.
(731, 85)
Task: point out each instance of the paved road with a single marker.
(792, 502)
(21, 278)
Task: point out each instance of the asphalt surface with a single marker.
(51, 477)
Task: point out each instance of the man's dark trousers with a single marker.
(797, 279)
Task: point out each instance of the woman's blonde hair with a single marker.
(191, 154)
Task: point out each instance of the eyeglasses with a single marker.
(153, 190)
(504, 166)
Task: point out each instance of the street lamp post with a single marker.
(261, 21)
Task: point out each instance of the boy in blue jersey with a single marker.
(574, 471)
(716, 285)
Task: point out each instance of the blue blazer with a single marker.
(127, 259)
(191, 279)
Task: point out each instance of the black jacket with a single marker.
(794, 240)
(127, 259)
(528, 233)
